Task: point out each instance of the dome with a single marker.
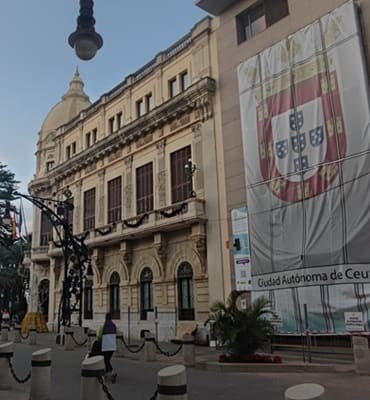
(74, 101)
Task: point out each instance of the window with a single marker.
(181, 186)
(88, 300)
(94, 135)
(185, 292)
(114, 200)
(89, 209)
(46, 230)
(144, 188)
(88, 140)
(172, 87)
(275, 10)
(250, 22)
(114, 296)
(49, 166)
(111, 125)
(257, 18)
(119, 117)
(184, 80)
(146, 292)
(149, 102)
(73, 148)
(68, 152)
(140, 108)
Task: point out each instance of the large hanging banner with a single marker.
(305, 125)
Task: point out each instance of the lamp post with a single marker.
(190, 168)
(84, 39)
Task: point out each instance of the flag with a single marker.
(20, 222)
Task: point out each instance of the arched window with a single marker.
(146, 292)
(88, 300)
(185, 292)
(114, 296)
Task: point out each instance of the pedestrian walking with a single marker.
(107, 336)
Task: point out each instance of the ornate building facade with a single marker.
(153, 228)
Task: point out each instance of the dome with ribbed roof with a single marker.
(74, 101)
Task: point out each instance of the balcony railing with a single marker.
(166, 219)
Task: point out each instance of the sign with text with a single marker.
(354, 321)
(241, 248)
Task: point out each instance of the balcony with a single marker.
(166, 219)
(40, 254)
(214, 7)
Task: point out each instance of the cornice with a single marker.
(197, 96)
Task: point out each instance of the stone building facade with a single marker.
(153, 229)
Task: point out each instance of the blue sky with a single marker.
(37, 62)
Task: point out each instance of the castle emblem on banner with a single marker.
(301, 132)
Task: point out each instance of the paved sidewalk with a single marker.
(137, 379)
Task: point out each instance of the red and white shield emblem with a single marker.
(301, 137)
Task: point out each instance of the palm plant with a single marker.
(242, 332)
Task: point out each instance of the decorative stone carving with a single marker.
(127, 257)
(161, 147)
(200, 246)
(144, 140)
(161, 187)
(127, 196)
(197, 130)
(128, 162)
(115, 155)
(91, 167)
(161, 249)
(98, 259)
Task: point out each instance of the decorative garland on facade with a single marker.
(174, 211)
(137, 223)
(104, 231)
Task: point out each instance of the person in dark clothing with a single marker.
(107, 335)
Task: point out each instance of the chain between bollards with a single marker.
(105, 388)
(167, 353)
(78, 344)
(27, 378)
(24, 337)
(128, 347)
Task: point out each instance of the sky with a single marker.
(37, 63)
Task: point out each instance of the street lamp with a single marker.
(190, 168)
(84, 39)
(75, 252)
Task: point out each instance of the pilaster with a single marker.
(127, 191)
(162, 174)
(101, 198)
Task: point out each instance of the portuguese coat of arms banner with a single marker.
(306, 139)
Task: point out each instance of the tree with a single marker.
(242, 332)
(12, 281)
(8, 185)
